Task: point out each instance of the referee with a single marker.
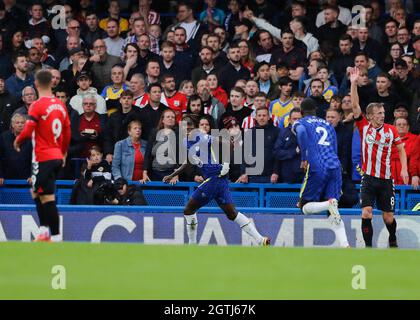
(377, 183)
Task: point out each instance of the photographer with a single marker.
(128, 195)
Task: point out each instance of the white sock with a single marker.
(56, 238)
(340, 233)
(248, 227)
(315, 207)
(192, 224)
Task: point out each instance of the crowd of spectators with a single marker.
(130, 70)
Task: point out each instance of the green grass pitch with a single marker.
(135, 271)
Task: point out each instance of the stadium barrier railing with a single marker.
(279, 198)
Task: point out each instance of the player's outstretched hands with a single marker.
(405, 176)
(16, 145)
(354, 74)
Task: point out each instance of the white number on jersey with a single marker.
(323, 141)
(57, 127)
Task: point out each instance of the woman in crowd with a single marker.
(216, 90)
(161, 152)
(128, 161)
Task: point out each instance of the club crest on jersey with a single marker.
(176, 103)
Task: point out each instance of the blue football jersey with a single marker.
(318, 142)
(201, 153)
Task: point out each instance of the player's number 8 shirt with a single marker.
(377, 147)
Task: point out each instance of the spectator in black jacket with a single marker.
(330, 33)
(234, 70)
(93, 31)
(7, 106)
(343, 59)
(13, 164)
(344, 138)
(118, 123)
(265, 168)
(169, 66)
(129, 195)
(150, 114)
(206, 65)
(317, 89)
(287, 151)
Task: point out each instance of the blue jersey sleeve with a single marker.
(302, 137)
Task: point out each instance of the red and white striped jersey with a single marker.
(377, 148)
(141, 101)
(250, 122)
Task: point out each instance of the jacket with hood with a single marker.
(76, 101)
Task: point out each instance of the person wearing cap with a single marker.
(129, 195)
(84, 82)
(69, 75)
(401, 110)
(403, 81)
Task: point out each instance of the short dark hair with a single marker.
(152, 85)
(43, 78)
(361, 53)
(284, 81)
(316, 79)
(166, 76)
(127, 93)
(19, 54)
(346, 37)
(240, 90)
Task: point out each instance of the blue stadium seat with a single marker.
(63, 196)
(166, 197)
(412, 199)
(281, 199)
(15, 196)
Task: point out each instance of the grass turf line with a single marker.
(135, 271)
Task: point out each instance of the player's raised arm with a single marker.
(354, 75)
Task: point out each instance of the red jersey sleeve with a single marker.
(414, 161)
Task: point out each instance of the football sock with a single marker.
(192, 224)
(315, 207)
(51, 214)
(340, 233)
(248, 227)
(367, 231)
(41, 215)
(392, 229)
